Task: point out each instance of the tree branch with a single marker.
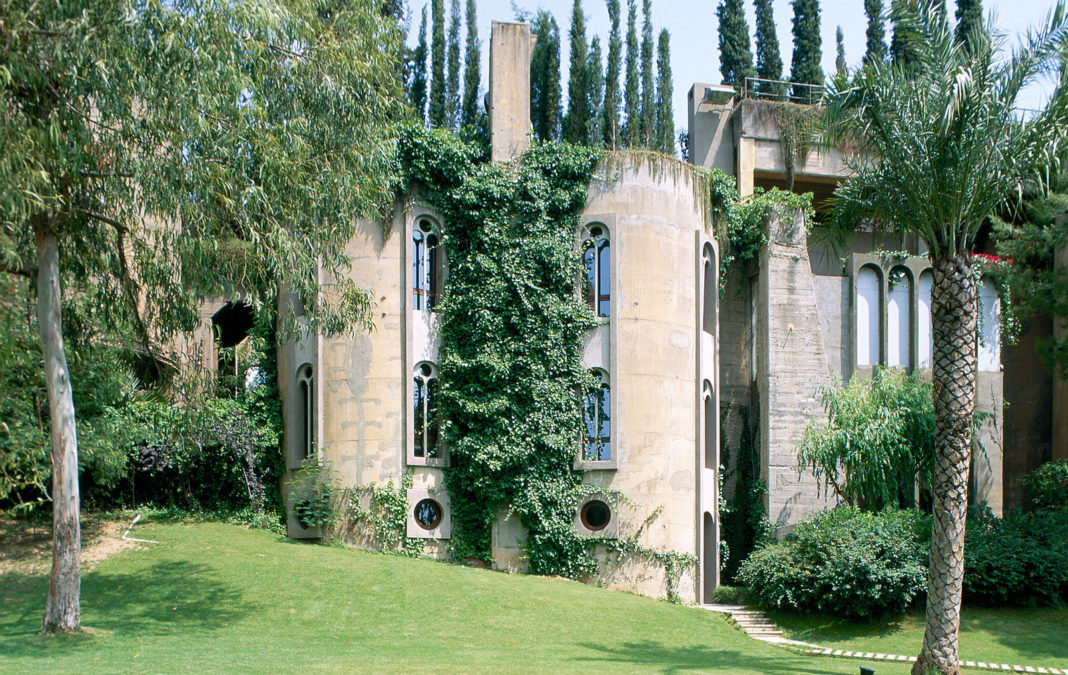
(22, 269)
(104, 219)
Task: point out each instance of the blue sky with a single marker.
(694, 40)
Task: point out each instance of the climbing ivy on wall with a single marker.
(511, 340)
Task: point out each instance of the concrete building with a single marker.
(359, 402)
(806, 312)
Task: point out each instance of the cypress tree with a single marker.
(577, 119)
(664, 140)
(902, 51)
(876, 33)
(769, 62)
(805, 68)
(452, 82)
(545, 78)
(735, 59)
(595, 92)
(969, 19)
(471, 110)
(438, 117)
(648, 112)
(631, 92)
(610, 108)
(417, 91)
(840, 60)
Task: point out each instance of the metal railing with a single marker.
(781, 90)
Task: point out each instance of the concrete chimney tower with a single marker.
(511, 45)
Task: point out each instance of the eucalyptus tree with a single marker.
(164, 151)
(945, 147)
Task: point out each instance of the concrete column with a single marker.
(746, 165)
(511, 45)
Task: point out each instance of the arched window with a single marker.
(899, 318)
(426, 265)
(711, 442)
(306, 396)
(597, 446)
(424, 406)
(597, 285)
(708, 318)
(867, 326)
(924, 336)
(990, 325)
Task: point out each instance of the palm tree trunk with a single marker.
(953, 298)
(63, 609)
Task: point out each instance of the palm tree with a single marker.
(943, 145)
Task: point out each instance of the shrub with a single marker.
(878, 438)
(1018, 560)
(1047, 486)
(315, 495)
(844, 562)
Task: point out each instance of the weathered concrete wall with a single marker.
(711, 133)
(792, 361)
(1029, 412)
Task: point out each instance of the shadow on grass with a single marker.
(655, 656)
(165, 598)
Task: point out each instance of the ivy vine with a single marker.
(511, 329)
(387, 514)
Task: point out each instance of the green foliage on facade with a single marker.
(386, 513)
(511, 351)
(878, 440)
(545, 78)
(805, 67)
(735, 58)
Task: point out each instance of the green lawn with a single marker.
(1034, 637)
(220, 598)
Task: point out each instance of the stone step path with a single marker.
(756, 625)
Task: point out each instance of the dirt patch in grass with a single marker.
(27, 548)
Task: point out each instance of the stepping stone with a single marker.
(982, 664)
(880, 657)
(868, 655)
(969, 664)
(838, 652)
(902, 657)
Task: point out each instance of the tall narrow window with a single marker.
(924, 336)
(711, 441)
(425, 428)
(989, 325)
(426, 265)
(899, 318)
(708, 313)
(596, 259)
(597, 419)
(867, 326)
(306, 389)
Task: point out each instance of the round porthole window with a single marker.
(428, 514)
(595, 515)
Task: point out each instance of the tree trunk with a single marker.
(953, 320)
(63, 610)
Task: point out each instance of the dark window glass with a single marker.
(428, 514)
(418, 269)
(597, 446)
(419, 405)
(595, 515)
(603, 279)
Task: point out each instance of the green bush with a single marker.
(844, 562)
(315, 496)
(879, 437)
(1047, 486)
(1018, 560)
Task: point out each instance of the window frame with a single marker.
(417, 379)
(306, 397)
(886, 265)
(596, 235)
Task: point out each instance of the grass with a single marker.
(1034, 637)
(219, 598)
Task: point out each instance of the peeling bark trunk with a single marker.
(953, 321)
(63, 610)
